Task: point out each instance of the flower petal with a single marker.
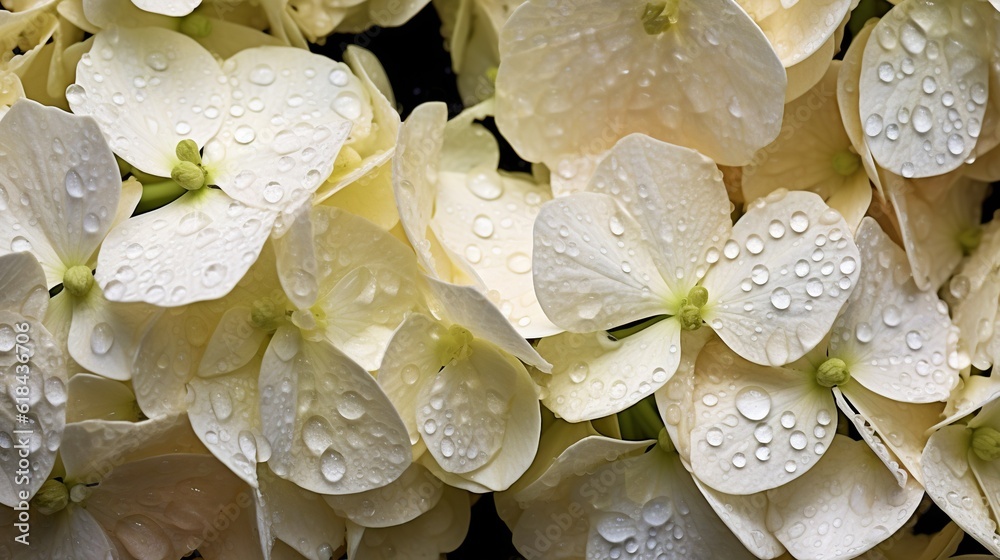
(594, 375)
(342, 439)
(226, 417)
(299, 517)
(22, 285)
(767, 431)
(403, 500)
(92, 397)
(746, 518)
(927, 61)
(952, 484)
(441, 529)
(104, 336)
(896, 340)
(675, 400)
(788, 269)
(849, 484)
(685, 218)
(848, 98)
(796, 30)
(594, 266)
(150, 88)
(730, 111)
(67, 184)
(467, 307)
(491, 445)
(173, 8)
(196, 248)
(273, 162)
(34, 404)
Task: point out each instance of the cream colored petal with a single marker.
(727, 106)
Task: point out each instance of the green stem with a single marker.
(628, 330)
(155, 195)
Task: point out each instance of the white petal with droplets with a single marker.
(291, 114)
(598, 57)
(927, 59)
(173, 8)
(411, 495)
(332, 430)
(22, 285)
(149, 89)
(594, 375)
(59, 187)
(104, 336)
(787, 271)
(193, 249)
(896, 340)
(756, 427)
(844, 506)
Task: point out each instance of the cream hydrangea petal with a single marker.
(181, 494)
(487, 217)
(64, 182)
(34, 404)
(896, 339)
(23, 289)
(293, 111)
(796, 30)
(370, 197)
(925, 71)
(594, 375)
(974, 293)
(93, 397)
(296, 256)
(331, 428)
(902, 427)
(491, 445)
(788, 269)
(104, 14)
(130, 196)
(771, 429)
(746, 517)
(225, 415)
(655, 502)
(952, 484)
(849, 100)
(410, 362)
(299, 518)
(594, 266)
(441, 529)
(104, 336)
(411, 495)
(71, 533)
(849, 484)
(58, 320)
(869, 435)
(150, 88)
(686, 218)
(730, 111)
(675, 400)
(193, 249)
(173, 8)
(465, 306)
(234, 343)
(805, 74)
(932, 214)
(853, 199)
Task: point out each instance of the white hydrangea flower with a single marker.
(61, 194)
(94, 397)
(271, 121)
(469, 223)
(698, 74)
(462, 393)
(924, 85)
(639, 247)
(757, 428)
(974, 291)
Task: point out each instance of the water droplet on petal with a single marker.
(102, 338)
(753, 403)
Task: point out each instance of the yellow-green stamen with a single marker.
(833, 372)
(658, 17)
(78, 280)
(51, 498)
(986, 443)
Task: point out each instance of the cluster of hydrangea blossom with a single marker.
(745, 305)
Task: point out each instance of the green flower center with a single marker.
(189, 172)
(78, 280)
(454, 345)
(196, 25)
(833, 372)
(846, 162)
(658, 17)
(986, 443)
(266, 314)
(691, 308)
(51, 498)
(969, 239)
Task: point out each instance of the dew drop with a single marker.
(799, 222)
(482, 226)
(332, 465)
(914, 341)
(714, 437)
(102, 338)
(780, 298)
(753, 403)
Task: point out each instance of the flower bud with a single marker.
(78, 280)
